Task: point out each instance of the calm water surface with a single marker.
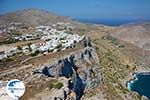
(141, 84)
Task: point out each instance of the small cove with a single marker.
(140, 84)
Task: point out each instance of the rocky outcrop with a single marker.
(81, 68)
(86, 42)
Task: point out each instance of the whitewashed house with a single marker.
(12, 51)
(53, 31)
(25, 49)
(63, 34)
(34, 47)
(40, 28)
(2, 55)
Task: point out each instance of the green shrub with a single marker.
(58, 85)
(58, 46)
(127, 66)
(35, 53)
(113, 39)
(48, 39)
(9, 59)
(121, 46)
(51, 85)
(19, 47)
(50, 50)
(63, 38)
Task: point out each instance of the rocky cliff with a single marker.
(81, 69)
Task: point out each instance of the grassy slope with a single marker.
(117, 67)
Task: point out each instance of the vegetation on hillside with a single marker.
(116, 69)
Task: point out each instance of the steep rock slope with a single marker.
(118, 61)
(82, 68)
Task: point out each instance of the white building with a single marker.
(34, 47)
(12, 51)
(25, 49)
(2, 55)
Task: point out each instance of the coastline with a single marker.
(135, 79)
(131, 81)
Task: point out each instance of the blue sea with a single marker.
(140, 84)
(109, 22)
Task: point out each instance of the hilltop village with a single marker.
(55, 38)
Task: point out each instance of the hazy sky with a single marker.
(99, 9)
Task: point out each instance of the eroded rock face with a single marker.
(86, 42)
(81, 68)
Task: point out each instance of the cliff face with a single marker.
(81, 69)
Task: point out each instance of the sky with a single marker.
(84, 9)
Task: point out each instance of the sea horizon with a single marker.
(110, 22)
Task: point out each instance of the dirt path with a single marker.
(13, 70)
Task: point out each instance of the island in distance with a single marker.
(59, 58)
